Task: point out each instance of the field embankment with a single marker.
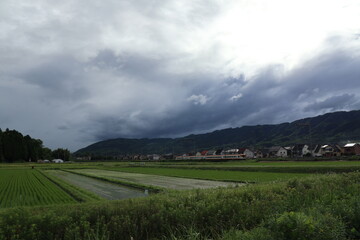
(317, 207)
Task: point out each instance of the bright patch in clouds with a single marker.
(198, 99)
(236, 97)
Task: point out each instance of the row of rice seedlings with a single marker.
(7, 184)
(50, 192)
(29, 188)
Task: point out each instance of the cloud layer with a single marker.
(72, 73)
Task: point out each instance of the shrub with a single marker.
(300, 226)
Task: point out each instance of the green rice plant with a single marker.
(28, 187)
(214, 174)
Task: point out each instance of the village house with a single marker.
(230, 151)
(277, 151)
(143, 157)
(198, 154)
(301, 150)
(289, 151)
(204, 153)
(315, 150)
(210, 152)
(218, 151)
(331, 150)
(246, 152)
(259, 154)
(352, 149)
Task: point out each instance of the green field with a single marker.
(322, 207)
(219, 175)
(287, 202)
(261, 163)
(269, 166)
(28, 187)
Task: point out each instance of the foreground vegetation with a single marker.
(317, 207)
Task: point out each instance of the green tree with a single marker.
(61, 153)
(34, 148)
(14, 147)
(46, 153)
(1, 147)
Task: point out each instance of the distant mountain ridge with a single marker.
(336, 127)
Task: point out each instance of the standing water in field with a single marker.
(103, 189)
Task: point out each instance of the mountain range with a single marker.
(336, 127)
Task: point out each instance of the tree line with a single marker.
(14, 147)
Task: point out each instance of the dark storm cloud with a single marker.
(327, 83)
(333, 103)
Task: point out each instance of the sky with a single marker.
(76, 72)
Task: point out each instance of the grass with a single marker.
(318, 208)
(219, 175)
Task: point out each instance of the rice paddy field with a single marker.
(181, 200)
(104, 189)
(152, 178)
(28, 187)
(209, 174)
(46, 184)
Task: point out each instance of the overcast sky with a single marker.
(76, 72)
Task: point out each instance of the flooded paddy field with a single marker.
(103, 189)
(156, 180)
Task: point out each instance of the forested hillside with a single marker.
(335, 127)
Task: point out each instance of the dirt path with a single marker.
(103, 189)
(156, 180)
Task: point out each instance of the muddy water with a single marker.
(103, 189)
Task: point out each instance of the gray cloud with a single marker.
(265, 99)
(72, 73)
(333, 103)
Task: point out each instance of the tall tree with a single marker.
(46, 153)
(61, 153)
(1, 147)
(14, 147)
(34, 148)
